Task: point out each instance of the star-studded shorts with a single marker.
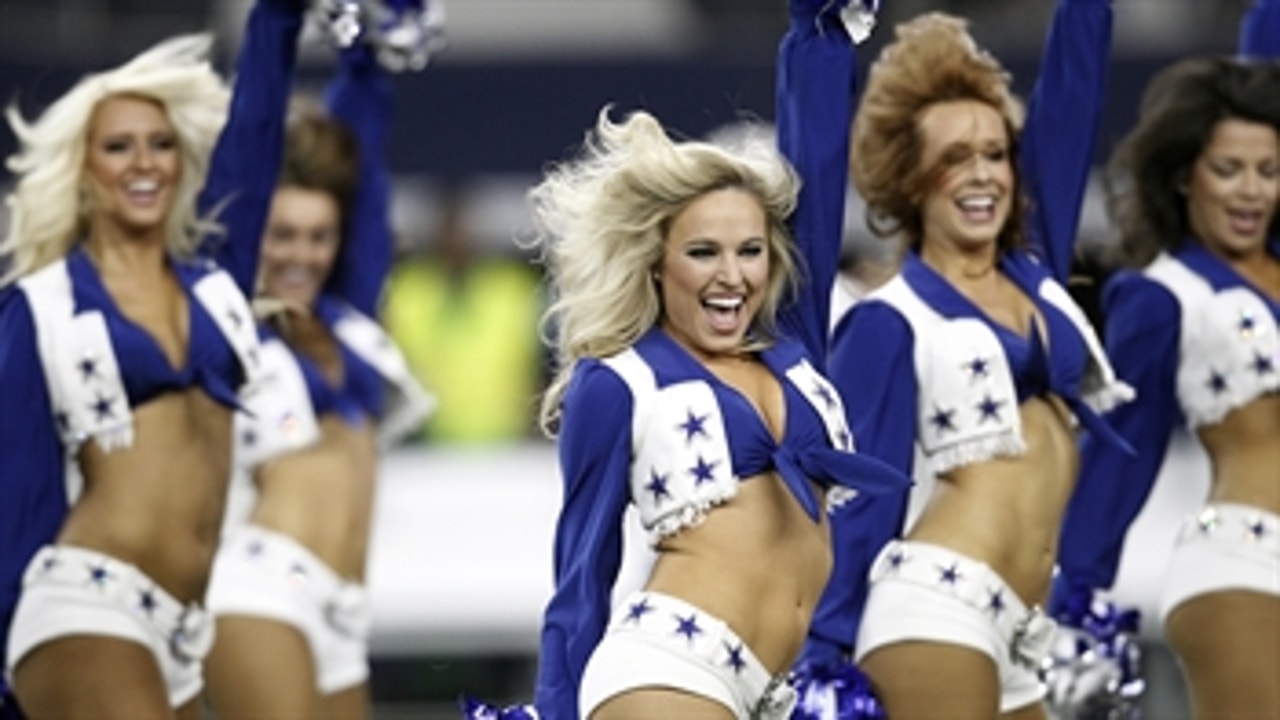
(75, 591)
(925, 592)
(1225, 546)
(657, 640)
(265, 574)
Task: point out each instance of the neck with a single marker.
(117, 251)
(961, 265)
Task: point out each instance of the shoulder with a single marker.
(602, 381)
(879, 315)
(1138, 290)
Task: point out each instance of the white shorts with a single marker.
(921, 591)
(657, 640)
(74, 591)
(266, 574)
(1223, 547)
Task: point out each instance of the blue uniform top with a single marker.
(243, 168)
(872, 361)
(1143, 337)
(815, 78)
(360, 98)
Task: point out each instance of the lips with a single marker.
(724, 313)
(978, 208)
(1245, 222)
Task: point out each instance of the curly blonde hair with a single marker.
(934, 59)
(47, 213)
(603, 218)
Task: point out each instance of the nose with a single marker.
(1252, 184)
(981, 169)
(730, 272)
(144, 157)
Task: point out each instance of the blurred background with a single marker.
(461, 564)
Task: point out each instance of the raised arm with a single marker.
(1142, 341)
(1063, 114)
(595, 455)
(878, 388)
(246, 161)
(815, 88)
(360, 98)
(1260, 30)
(33, 498)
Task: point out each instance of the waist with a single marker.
(766, 590)
(688, 628)
(1233, 522)
(185, 623)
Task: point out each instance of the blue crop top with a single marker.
(598, 465)
(873, 357)
(210, 364)
(32, 470)
(1143, 337)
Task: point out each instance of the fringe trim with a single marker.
(1007, 443)
(690, 515)
(1108, 397)
(113, 439)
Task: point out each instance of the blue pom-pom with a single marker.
(473, 709)
(834, 691)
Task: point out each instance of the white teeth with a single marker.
(724, 303)
(143, 186)
(978, 203)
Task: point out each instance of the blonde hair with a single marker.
(47, 211)
(933, 60)
(602, 220)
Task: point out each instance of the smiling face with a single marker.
(715, 271)
(971, 184)
(1233, 186)
(302, 239)
(132, 165)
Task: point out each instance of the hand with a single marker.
(1094, 669)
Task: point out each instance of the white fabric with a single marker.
(944, 349)
(912, 599)
(276, 415)
(74, 591)
(1222, 548)
(79, 361)
(680, 426)
(408, 404)
(1223, 334)
(643, 649)
(261, 573)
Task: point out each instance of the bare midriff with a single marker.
(1244, 452)
(1007, 512)
(158, 504)
(322, 496)
(759, 563)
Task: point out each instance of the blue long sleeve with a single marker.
(246, 160)
(1260, 30)
(1142, 339)
(1063, 114)
(815, 98)
(33, 501)
(872, 367)
(360, 97)
(595, 458)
